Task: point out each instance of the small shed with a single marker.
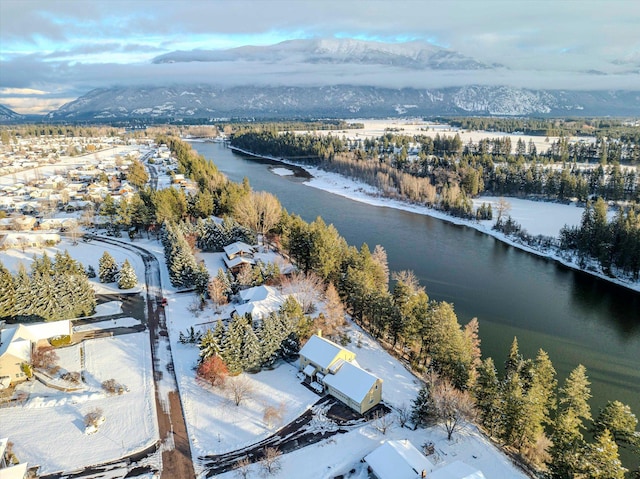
(398, 460)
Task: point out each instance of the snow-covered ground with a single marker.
(49, 429)
(107, 324)
(377, 128)
(85, 253)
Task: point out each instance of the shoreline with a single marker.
(357, 191)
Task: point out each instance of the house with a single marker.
(239, 248)
(457, 470)
(319, 355)
(332, 368)
(18, 340)
(259, 301)
(357, 388)
(8, 470)
(398, 460)
(238, 254)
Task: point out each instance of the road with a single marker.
(174, 442)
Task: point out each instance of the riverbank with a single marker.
(358, 191)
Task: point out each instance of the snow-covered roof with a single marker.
(309, 370)
(237, 261)
(14, 472)
(238, 247)
(258, 293)
(16, 339)
(352, 381)
(398, 460)
(457, 470)
(320, 351)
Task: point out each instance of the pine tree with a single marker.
(601, 460)
(209, 345)
(107, 268)
(233, 348)
(24, 295)
(422, 407)
(127, 276)
(568, 442)
(621, 423)
(487, 393)
(514, 360)
(270, 336)
(251, 351)
(7, 293)
(201, 279)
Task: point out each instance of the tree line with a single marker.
(50, 291)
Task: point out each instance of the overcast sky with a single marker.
(52, 52)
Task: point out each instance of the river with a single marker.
(575, 317)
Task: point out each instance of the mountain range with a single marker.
(339, 78)
(339, 101)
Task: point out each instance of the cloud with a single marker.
(69, 47)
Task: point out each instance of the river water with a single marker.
(575, 317)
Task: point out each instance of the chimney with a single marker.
(319, 333)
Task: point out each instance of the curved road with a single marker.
(176, 450)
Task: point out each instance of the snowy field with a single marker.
(85, 253)
(410, 127)
(49, 430)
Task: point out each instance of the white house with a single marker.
(398, 460)
(259, 301)
(17, 342)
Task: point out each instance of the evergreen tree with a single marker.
(233, 348)
(7, 293)
(209, 345)
(24, 295)
(486, 390)
(107, 268)
(601, 459)
(201, 279)
(621, 423)
(251, 350)
(270, 336)
(422, 407)
(514, 360)
(568, 442)
(127, 276)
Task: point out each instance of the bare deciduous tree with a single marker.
(379, 255)
(259, 211)
(452, 407)
(403, 413)
(409, 278)
(243, 468)
(383, 422)
(239, 389)
(502, 207)
(273, 415)
(306, 288)
(333, 311)
(44, 357)
(217, 292)
(271, 460)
